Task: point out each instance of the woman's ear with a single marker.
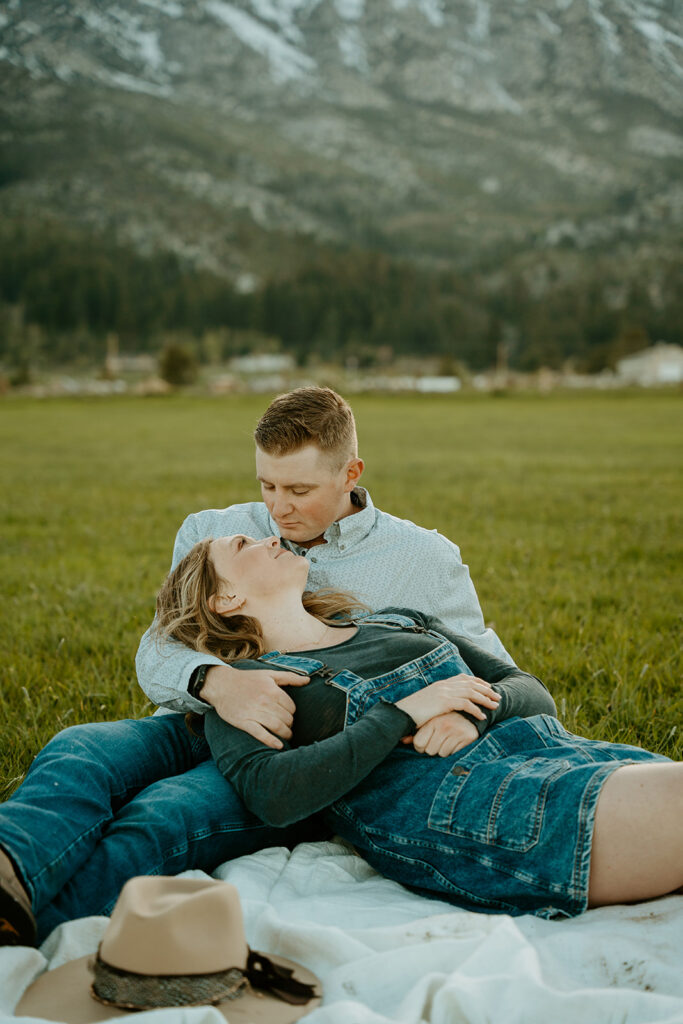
(226, 604)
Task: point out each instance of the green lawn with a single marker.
(566, 509)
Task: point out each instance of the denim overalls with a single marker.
(503, 826)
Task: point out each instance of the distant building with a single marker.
(427, 385)
(660, 364)
(263, 384)
(224, 384)
(264, 363)
(116, 363)
(438, 385)
(152, 386)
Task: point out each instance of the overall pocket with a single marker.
(495, 797)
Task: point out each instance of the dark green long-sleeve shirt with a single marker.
(324, 761)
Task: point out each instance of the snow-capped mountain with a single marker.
(437, 129)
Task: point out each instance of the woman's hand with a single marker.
(444, 735)
(457, 693)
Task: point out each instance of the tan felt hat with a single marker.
(174, 942)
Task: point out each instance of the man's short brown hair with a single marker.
(309, 415)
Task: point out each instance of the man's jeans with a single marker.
(104, 802)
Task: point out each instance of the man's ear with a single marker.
(226, 604)
(353, 473)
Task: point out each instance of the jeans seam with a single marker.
(449, 886)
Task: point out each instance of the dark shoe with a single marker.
(17, 922)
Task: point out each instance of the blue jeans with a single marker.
(107, 801)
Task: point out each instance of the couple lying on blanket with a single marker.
(400, 724)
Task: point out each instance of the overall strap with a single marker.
(295, 663)
(394, 620)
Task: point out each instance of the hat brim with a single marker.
(64, 995)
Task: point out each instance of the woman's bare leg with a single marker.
(637, 850)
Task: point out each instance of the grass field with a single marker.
(566, 509)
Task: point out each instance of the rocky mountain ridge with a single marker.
(447, 131)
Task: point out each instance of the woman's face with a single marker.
(256, 568)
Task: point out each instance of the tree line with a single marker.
(62, 292)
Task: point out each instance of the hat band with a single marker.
(278, 980)
(127, 990)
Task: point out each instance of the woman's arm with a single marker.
(522, 695)
(284, 786)
(281, 787)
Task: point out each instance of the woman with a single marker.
(517, 816)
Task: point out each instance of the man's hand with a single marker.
(444, 735)
(252, 700)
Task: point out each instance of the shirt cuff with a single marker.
(410, 724)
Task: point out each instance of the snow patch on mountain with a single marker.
(352, 48)
(656, 33)
(350, 10)
(26, 28)
(551, 26)
(608, 29)
(500, 99)
(432, 9)
(133, 84)
(280, 13)
(285, 60)
(655, 142)
(660, 41)
(479, 29)
(150, 49)
(122, 31)
(168, 7)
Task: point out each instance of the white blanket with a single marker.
(385, 954)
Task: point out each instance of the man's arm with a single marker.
(164, 667)
(453, 599)
(249, 700)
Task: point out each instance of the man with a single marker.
(107, 801)
(308, 467)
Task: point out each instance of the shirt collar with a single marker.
(352, 529)
(355, 527)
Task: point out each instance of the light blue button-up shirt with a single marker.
(379, 558)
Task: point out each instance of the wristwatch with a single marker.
(197, 680)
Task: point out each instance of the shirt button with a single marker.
(459, 770)
(313, 558)
(341, 547)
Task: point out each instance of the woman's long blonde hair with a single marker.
(184, 612)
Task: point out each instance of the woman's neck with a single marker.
(289, 627)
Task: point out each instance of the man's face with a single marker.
(305, 492)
